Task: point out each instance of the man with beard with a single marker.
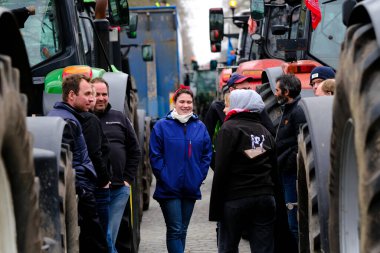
(288, 89)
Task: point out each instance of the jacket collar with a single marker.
(100, 114)
(254, 116)
(293, 103)
(65, 106)
(169, 116)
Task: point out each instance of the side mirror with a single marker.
(279, 29)
(119, 12)
(257, 9)
(216, 20)
(133, 20)
(347, 8)
(147, 52)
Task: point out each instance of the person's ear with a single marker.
(71, 95)
(286, 92)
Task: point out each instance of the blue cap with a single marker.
(322, 72)
(237, 78)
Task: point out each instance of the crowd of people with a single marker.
(255, 168)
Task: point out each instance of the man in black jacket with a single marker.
(98, 150)
(124, 156)
(288, 89)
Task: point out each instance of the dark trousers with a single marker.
(256, 215)
(289, 180)
(91, 237)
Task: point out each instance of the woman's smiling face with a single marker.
(184, 104)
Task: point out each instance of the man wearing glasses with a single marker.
(319, 74)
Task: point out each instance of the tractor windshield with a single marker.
(326, 39)
(40, 31)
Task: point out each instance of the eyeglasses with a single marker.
(315, 82)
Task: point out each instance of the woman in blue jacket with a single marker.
(180, 155)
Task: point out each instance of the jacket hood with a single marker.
(246, 100)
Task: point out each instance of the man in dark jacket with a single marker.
(77, 97)
(124, 156)
(98, 150)
(288, 89)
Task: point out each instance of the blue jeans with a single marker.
(118, 201)
(256, 215)
(177, 214)
(102, 196)
(289, 180)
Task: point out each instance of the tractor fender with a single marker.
(316, 139)
(317, 110)
(270, 75)
(117, 82)
(47, 133)
(58, 185)
(367, 12)
(48, 101)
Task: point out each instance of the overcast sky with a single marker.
(197, 17)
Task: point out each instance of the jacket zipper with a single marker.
(189, 147)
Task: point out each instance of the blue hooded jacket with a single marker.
(85, 174)
(180, 156)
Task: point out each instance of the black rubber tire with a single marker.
(147, 176)
(69, 204)
(16, 159)
(308, 228)
(354, 182)
(271, 105)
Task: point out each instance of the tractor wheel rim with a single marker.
(348, 193)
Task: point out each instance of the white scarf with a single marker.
(181, 118)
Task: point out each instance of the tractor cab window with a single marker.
(278, 15)
(41, 32)
(327, 38)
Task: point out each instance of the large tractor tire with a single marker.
(271, 105)
(19, 217)
(147, 176)
(58, 201)
(354, 223)
(312, 174)
(68, 202)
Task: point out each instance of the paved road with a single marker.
(201, 232)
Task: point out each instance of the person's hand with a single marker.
(126, 183)
(107, 185)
